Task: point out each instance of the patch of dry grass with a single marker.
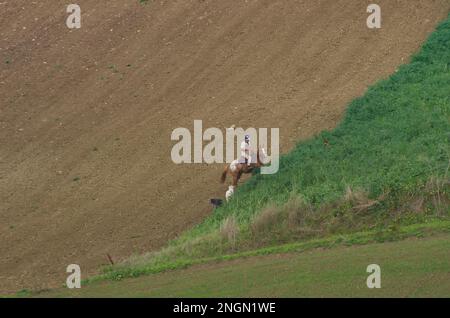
(229, 230)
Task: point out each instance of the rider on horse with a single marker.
(243, 165)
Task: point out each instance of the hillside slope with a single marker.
(86, 115)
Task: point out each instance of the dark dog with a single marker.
(216, 202)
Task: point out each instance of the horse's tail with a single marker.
(224, 175)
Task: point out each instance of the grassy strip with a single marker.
(361, 238)
(410, 268)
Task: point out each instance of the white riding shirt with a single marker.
(245, 149)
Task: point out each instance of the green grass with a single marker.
(409, 268)
(162, 262)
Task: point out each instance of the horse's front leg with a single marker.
(239, 175)
(236, 178)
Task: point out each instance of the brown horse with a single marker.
(237, 169)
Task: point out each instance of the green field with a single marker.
(409, 268)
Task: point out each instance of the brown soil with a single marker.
(86, 115)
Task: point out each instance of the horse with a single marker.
(236, 169)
